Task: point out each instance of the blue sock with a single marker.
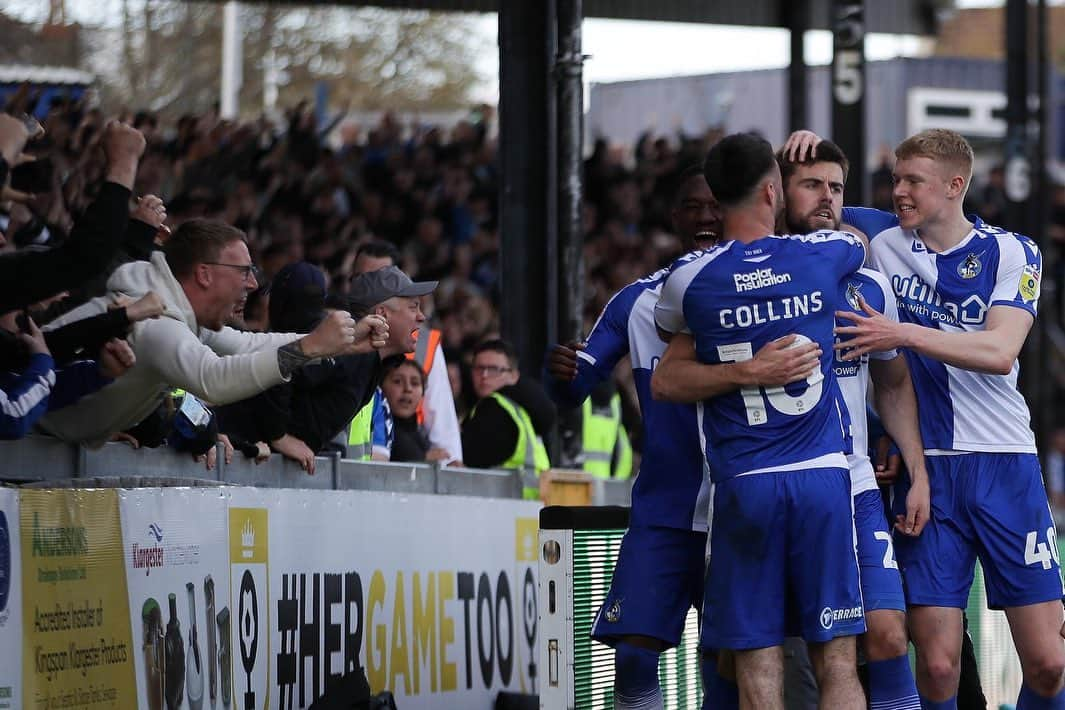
(951, 704)
(719, 693)
(636, 678)
(891, 684)
(1028, 700)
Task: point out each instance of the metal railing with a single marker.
(44, 461)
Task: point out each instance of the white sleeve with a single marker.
(441, 420)
(172, 350)
(230, 341)
(669, 311)
(1017, 282)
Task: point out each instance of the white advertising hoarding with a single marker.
(177, 568)
(435, 596)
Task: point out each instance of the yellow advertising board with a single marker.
(76, 632)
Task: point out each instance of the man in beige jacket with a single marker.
(203, 275)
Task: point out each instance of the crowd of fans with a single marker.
(312, 208)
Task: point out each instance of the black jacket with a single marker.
(410, 441)
(314, 406)
(30, 276)
(80, 340)
(489, 434)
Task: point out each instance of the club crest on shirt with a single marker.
(971, 267)
(854, 296)
(613, 612)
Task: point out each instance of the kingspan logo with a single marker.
(830, 616)
(759, 278)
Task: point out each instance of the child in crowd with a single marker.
(403, 385)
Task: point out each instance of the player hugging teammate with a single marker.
(774, 340)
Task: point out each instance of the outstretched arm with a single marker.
(573, 370)
(30, 276)
(992, 350)
(680, 377)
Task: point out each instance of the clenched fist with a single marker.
(123, 145)
(331, 337)
(115, 358)
(371, 333)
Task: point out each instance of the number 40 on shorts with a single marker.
(1041, 552)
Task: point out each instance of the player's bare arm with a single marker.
(992, 350)
(896, 403)
(680, 377)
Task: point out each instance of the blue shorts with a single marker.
(881, 582)
(657, 579)
(991, 506)
(782, 556)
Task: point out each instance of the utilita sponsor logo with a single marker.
(759, 278)
(917, 297)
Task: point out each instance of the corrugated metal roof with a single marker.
(896, 16)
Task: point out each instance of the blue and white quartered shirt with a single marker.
(953, 291)
(671, 488)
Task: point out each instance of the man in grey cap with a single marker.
(391, 294)
(436, 413)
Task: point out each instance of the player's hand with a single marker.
(888, 460)
(562, 361)
(918, 507)
(800, 146)
(872, 332)
(781, 362)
